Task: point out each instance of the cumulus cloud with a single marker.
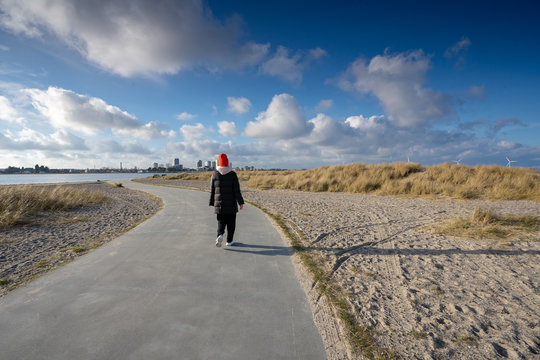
(283, 119)
(290, 66)
(66, 109)
(148, 131)
(185, 116)
(397, 82)
(136, 37)
(365, 123)
(239, 106)
(28, 139)
(190, 132)
(227, 128)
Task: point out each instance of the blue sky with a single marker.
(286, 84)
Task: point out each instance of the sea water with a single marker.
(15, 179)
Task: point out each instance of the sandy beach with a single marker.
(29, 251)
(425, 296)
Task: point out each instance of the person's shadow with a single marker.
(260, 249)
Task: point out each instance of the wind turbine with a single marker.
(458, 161)
(509, 162)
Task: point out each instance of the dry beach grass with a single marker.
(402, 179)
(21, 204)
(402, 284)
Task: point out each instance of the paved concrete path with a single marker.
(164, 291)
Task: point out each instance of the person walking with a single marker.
(225, 196)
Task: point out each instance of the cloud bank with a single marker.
(396, 80)
(156, 37)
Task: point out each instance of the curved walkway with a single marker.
(164, 291)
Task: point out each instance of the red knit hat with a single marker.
(222, 160)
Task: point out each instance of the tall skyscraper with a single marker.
(176, 161)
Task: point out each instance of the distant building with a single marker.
(154, 165)
(208, 164)
(214, 164)
(176, 161)
(199, 164)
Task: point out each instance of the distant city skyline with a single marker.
(273, 84)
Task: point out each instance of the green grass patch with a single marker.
(464, 340)
(5, 281)
(41, 264)
(418, 335)
(79, 250)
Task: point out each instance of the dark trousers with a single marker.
(229, 221)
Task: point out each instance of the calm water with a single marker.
(64, 178)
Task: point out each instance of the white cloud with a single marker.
(283, 119)
(227, 128)
(290, 66)
(148, 131)
(506, 145)
(66, 109)
(136, 37)
(28, 139)
(324, 105)
(185, 116)
(7, 112)
(4, 48)
(192, 132)
(396, 80)
(365, 123)
(239, 106)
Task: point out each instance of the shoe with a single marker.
(230, 243)
(219, 240)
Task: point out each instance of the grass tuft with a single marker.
(5, 281)
(482, 224)
(19, 204)
(79, 250)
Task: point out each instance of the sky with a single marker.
(273, 84)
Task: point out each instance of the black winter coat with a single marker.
(225, 193)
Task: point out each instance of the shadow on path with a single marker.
(260, 249)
